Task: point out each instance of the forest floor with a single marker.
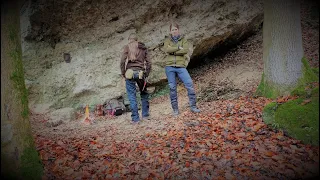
(226, 140)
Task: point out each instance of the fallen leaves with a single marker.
(306, 101)
(229, 146)
(258, 127)
(269, 153)
(284, 99)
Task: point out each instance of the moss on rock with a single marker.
(17, 75)
(269, 112)
(31, 167)
(308, 75)
(299, 118)
(266, 90)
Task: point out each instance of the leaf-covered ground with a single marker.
(227, 140)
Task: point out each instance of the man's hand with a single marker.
(180, 48)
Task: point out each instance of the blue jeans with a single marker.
(131, 92)
(184, 76)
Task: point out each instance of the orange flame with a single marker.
(87, 111)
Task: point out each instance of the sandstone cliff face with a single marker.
(94, 33)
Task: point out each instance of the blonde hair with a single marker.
(173, 24)
(133, 47)
(133, 36)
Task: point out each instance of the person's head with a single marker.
(132, 37)
(133, 46)
(174, 29)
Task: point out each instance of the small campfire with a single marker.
(87, 119)
(99, 111)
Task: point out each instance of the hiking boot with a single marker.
(175, 112)
(135, 122)
(146, 118)
(195, 110)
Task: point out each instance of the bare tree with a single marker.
(282, 47)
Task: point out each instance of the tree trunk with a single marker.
(282, 47)
(17, 147)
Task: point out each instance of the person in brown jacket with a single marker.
(135, 67)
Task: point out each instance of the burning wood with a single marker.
(87, 120)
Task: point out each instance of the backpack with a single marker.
(113, 107)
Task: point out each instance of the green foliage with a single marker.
(265, 90)
(299, 91)
(12, 33)
(31, 167)
(308, 77)
(269, 112)
(275, 125)
(315, 92)
(17, 75)
(164, 90)
(299, 120)
(316, 71)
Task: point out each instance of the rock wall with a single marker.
(94, 33)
